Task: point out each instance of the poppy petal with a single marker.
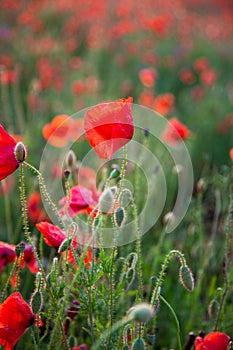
(15, 317)
(109, 126)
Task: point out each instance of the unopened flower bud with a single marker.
(142, 312)
(19, 248)
(151, 338)
(36, 302)
(119, 216)
(106, 200)
(20, 152)
(213, 309)
(186, 278)
(70, 159)
(138, 344)
(168, 218)
(64, 245)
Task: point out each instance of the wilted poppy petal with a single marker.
(109, 126)
(15, 317)
(53, 235)
(8, 162)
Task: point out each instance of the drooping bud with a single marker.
(19, 248)
(64, 245)
(115, 172)
(106, 200)
(20, 152)
(142, 312)
(36, 302)
(186, 278)
(168, 218)
(119, 216)
(151, 338)
(213, 309)
(70, 159)
(139, 344)
(71, 341)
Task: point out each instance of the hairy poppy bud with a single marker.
(139, 344)
(20, 152)
(19, 248)
(36, 302)
(65, 244)
(142, 312)
(119, 216)
(106, 200)
(186, 278)
(213, 309)
(70, 159)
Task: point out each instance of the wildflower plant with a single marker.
(86, 255)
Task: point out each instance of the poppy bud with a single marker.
(125, 347)
(36, 302)
(20, 152)
(65, 244)
(19, 248)
(213, 309)
(119, 216)
(114, 173)
(186, 278)
(142, 312)
(151, 338)
(106, 200)
(71, 341)
(168, 218)
(70, 159)
(139, 344)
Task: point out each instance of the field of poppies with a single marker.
(116, 195)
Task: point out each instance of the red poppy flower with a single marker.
(29, 259)
(80, 198)
(7, 254)
(15, 317)
(53, 235)
(174, 132)
(164, 103)
(8, 162)
(212, 341)
(81, 347)
(109, 126)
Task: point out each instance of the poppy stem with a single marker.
(229, 225)
(29, 240)
(2, 297)
(44, 191)
(176, 320)
(157, 288)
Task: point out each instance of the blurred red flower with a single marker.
(29, 259)
(231, 154)
(212, 341)
(148, 77)
(109, 126)
(53, 235)
(186, 76)
(15, 317)
(34, 206)
(164, 103)
(174, 132)
(7, 254)
(8, 162)
(62, 130)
